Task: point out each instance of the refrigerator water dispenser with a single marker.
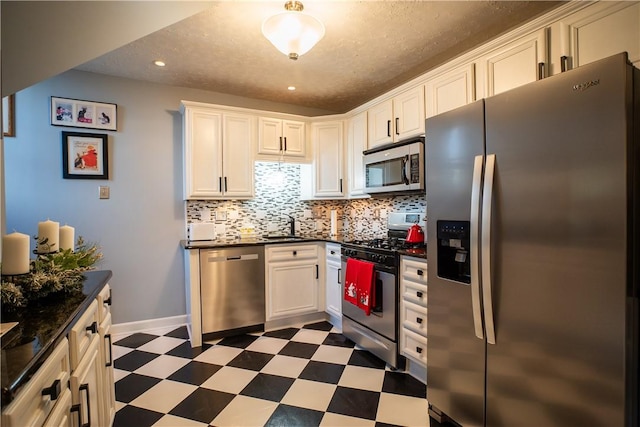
(453, 250)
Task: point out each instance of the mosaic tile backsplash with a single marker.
(277, 194)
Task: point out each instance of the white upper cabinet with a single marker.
(328, 154)
(513, 64)
(278, 137)
(397, 119)
(218, 153)
(599, 31)
(450, 90)
(356, 144)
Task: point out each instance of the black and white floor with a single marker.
(307, 376)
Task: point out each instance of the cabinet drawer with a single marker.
(414, 317)
(414, 346)
(61, 414)
(291, 252)
(414, 292)
(332, 252)
(104, 303)
(81, 334)
(31, 407)
(416, 271)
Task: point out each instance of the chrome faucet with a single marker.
(292, 225)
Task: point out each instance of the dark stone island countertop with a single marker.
(41, 326)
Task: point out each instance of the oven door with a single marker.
(383, 317)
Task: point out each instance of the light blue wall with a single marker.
(140, 226)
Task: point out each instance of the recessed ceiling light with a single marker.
(291, 88)
(159, 63)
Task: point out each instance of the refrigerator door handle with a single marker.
(475, 247)
(487, 202)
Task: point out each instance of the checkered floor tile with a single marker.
(308, 376)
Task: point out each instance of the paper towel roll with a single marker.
(334, 223)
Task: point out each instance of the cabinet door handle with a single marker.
(419, 294)
(540, 70)
(93, 328)
(419, 350)
(225, 184)
(280, 143)
(76, 408)
(85, 387)
(389, 128)
(108, 300)
(317, 272)
(397, 125)
(420, 273)
(564, 63)
(285, 143)
(295, 253)
(333, 252)
(110, 362)
(339, 276)
(220, 183)
(341, 185)
(419, 320)
(52, 391)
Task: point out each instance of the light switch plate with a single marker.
(103, 191)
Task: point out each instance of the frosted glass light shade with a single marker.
(293, 33)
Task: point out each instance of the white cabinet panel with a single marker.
(328, 153)
(292, 281)
(219, 151)
(515, 64)
(333, 287)
(278, 137)
(450, 90)
(602, 30)
(409, 115)
(356, 144)
(380, 118)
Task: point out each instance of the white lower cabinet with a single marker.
(413, 310)
(42, 394)
(333, 285)
(74, 387)
(86, 385)
(292, 281)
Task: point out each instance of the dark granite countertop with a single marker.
(340, 239)
(222, 243)
(41, 326)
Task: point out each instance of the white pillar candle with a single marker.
(49, 230)
(15, 254)
(67, 236)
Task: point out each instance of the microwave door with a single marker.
(386, 175)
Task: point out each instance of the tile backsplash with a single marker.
(277, 194)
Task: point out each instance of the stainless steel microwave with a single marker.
(395, 168)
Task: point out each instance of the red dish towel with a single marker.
(358, 284)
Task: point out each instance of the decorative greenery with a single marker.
(56, 272)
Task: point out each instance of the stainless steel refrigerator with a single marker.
(533, 244)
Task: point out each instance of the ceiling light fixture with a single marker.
(292, 32)
(159, 63)
(291, 88)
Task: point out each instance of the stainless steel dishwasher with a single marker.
(232, 290)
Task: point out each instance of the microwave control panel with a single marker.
(414, 168)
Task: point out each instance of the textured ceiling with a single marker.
(369, 48)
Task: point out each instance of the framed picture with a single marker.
(84, 156)
(8, 115)
(83, 114)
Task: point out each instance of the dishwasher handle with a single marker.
(247, 257)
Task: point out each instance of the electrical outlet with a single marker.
(221, 215)
(308, 213)
(103, 192)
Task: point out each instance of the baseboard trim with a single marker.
(147, 325)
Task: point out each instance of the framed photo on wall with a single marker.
(8, 115)
(83, 114)
(84, 156)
